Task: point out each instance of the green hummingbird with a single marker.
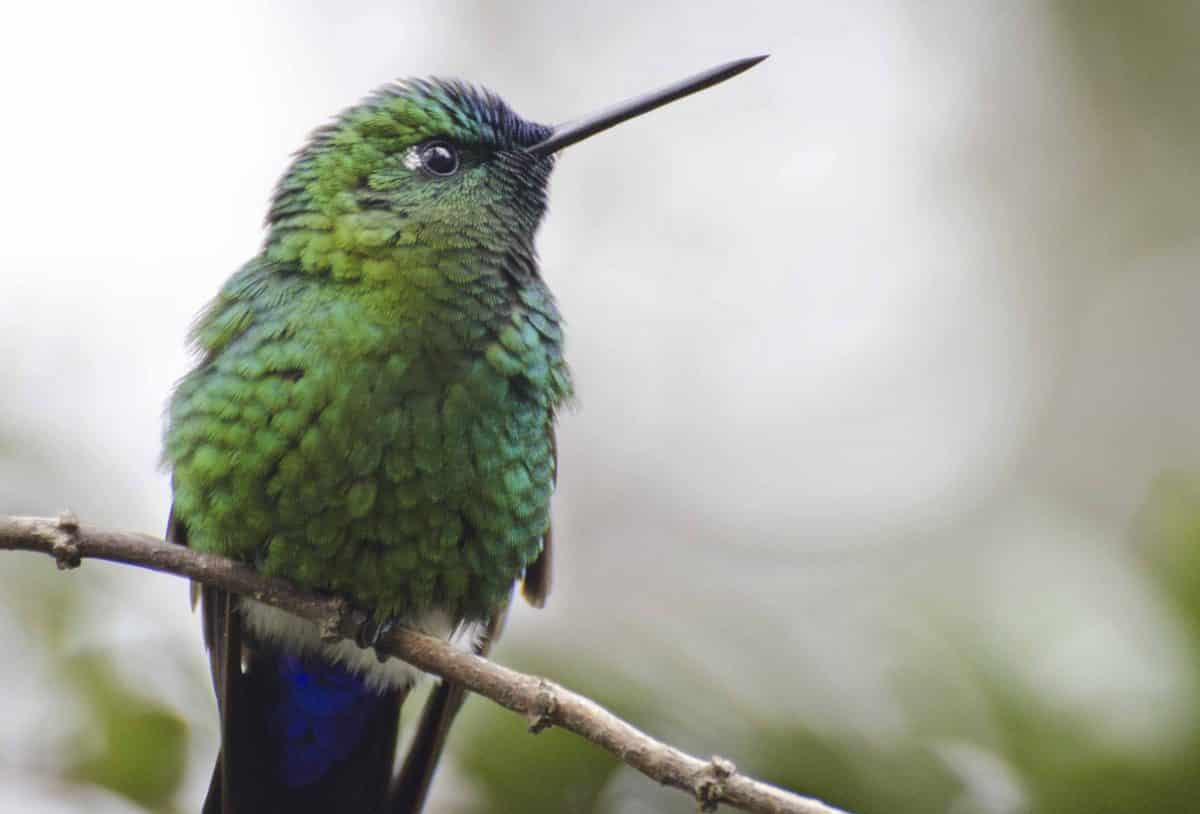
(372, 415)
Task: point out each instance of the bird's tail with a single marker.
(302, 735)
(412, 784)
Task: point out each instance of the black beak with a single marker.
(567, 134)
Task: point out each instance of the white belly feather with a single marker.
(302, 637)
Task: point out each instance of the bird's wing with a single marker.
(247, 676)
(412, 783)
(535, 586)
(223, 639)
(277, 754)
(416, 775)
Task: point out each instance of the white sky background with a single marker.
(834, 328)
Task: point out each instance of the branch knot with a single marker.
(330, 627)
(544, 704)
(710, 784)
(541, 701)
(64, 543)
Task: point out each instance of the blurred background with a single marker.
(885, 477)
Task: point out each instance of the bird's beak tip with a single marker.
(567, 134)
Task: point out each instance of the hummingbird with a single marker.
(372, 415)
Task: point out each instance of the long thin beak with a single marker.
(567, 134)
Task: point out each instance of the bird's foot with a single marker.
(373, 631)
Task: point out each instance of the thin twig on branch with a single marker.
(542, 702)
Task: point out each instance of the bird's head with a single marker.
(430, 166)
(420, 164)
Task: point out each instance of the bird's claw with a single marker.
(373, 631)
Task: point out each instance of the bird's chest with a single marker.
(402, 460)
(420, 477)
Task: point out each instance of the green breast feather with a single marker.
(392, 443)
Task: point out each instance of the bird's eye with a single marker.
(438, 158)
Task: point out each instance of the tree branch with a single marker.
(542, 702)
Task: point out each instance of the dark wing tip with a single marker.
(535, 586)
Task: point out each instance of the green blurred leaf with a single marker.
(1168, 535)
(852, 773)
(554, 771)
(128, 744)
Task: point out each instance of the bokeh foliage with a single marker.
(1019, 751)
(136, 747)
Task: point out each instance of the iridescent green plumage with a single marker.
(374, 411)
(373, 416)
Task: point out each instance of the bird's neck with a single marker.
(421, 286)
(380, 246)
